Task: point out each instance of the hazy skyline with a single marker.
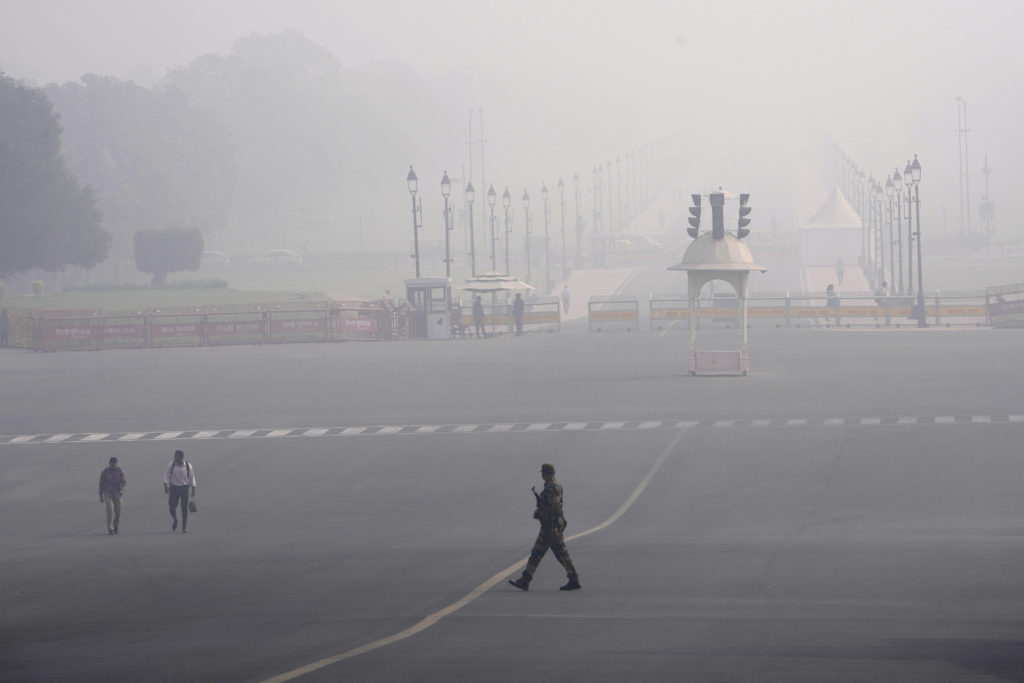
(743, 88)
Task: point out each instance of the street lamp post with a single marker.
(412, 182)
(879, 234)
(547, 240)
(908, 181)
(491, 199)
(598, 209)
(579, 221)
(892, 254)
(526, 220)
(915, 174)
(897, 181)
(470, 194)
(506, 201)
(561, 205)
(446, 188)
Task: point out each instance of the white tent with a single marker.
(834, 232)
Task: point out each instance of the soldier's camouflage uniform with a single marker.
(552, 524)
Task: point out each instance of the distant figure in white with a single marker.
(565, 297)
(840, 269)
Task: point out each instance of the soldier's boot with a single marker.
(573, 585)
(522, 583)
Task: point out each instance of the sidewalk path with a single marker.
(586, 283)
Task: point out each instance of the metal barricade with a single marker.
(616, 312)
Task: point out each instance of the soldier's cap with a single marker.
(113, 461)
(547, 468)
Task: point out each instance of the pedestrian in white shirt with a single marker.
(178, 478)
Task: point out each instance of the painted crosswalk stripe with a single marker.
(389, 430)
(648, 425)
(462, 429)
(242, 433)
(94, 437)
(575, 426)
(796, 423)
(168, 435)
(833, 421)
(57, 438)
(133, 436)
(612, 425)
(349, 431)
(319, 431)
(21, 439)
(206, 434)
(722, 423)
(428, 429)
(981, 418)
(538, 426)
(276, 433)
(1016, 418)
(500, 428)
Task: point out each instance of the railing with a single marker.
(314, 321)
(540, 315)
(620, 311)
(818, 309)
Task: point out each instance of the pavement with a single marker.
(849, 512)
(587, 283)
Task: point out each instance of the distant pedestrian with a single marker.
(179, 477)
(565, 297)
(112, 483)
(518, 306)
(840, 270)
(478, 317)
(5, 328)
(552, 525)
(882, 294)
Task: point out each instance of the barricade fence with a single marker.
(617, 312)
(315, 321)
(794, 310)
(543, 314)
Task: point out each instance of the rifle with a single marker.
(535, 494)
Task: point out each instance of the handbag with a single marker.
(192, 505)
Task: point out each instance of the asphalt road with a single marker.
(850, 511)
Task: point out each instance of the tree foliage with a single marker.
(159, 252)
(47, 219)
(153, 158)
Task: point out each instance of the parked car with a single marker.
(637, 242)
(214, 260)
(277, 257)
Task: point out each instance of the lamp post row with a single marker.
(616, 201)
(902, 192)
(470, 195)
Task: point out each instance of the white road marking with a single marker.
(134, 436)
(497, 428)
(432, 619)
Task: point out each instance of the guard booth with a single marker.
(728, 259)
(431, 301)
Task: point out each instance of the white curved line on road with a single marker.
(432, 619)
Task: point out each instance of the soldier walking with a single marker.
(552, 524)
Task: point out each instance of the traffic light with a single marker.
(717, 215)
(743, 221)
(694, 228)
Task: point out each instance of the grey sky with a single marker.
(738, 85)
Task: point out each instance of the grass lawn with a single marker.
(244, 287)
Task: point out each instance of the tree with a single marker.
(159, 252)
(154, 159)
(47, 219)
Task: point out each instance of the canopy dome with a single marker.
(727, 254)
(836, 212)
